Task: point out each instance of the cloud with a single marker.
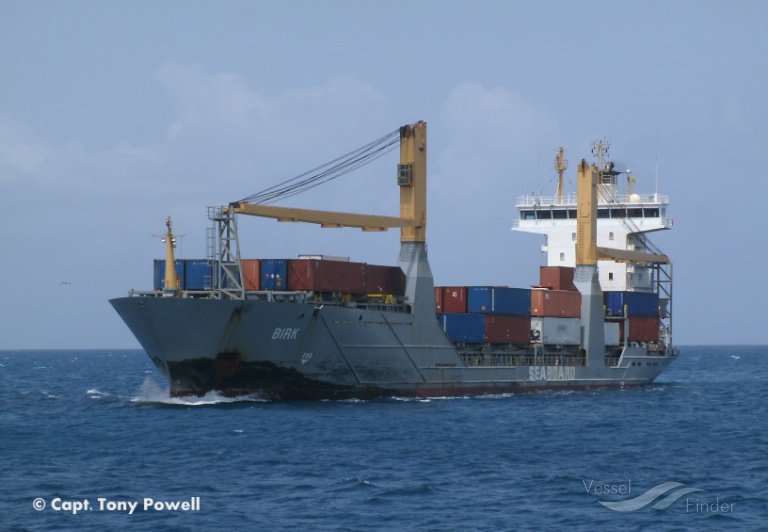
(215, 103)
(471, 105)
(22, 151)
(492, 140)
(203, 100)
(229, 139)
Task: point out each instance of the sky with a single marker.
(115, 115)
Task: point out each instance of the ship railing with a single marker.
(275, 296)
(316, 298)
(198, 294)
(570, 200)
(478, 358)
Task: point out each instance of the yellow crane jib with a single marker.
(411, 178)
(366, 222)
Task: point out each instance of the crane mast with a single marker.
(412, 181)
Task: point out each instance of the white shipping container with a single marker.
(612, 333)
(556, 331)
(325, 257)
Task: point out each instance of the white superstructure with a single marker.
(623, 223)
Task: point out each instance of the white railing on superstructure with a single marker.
(570, 200)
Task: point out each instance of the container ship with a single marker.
(320, 327)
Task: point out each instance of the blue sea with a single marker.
(89, 440)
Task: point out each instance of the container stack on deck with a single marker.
(549, 313)
(640, 310)
(194, 274)
(306, 274)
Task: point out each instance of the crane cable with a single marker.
(328, 171)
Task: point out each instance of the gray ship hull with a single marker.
(290, 350)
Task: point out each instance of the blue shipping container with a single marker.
(499, 300)
(467, 328)
(274, 274)
(639, 304)
(159, 277)
(197, 274)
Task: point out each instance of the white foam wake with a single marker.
(151, 392)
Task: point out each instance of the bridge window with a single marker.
(528, 215)
(560, 214)
(618, 213)
(603, 213)
(572, 214)
(543, 215)
(635, 213)
(651, 213)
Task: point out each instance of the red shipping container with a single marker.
(555, 303)
(455, 299)
(438, 299)
(557, 278)
(251, 273)
(384, 280)
(326, 276)
(641, 329)
(507, 329)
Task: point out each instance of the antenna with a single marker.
(600, 152)
(657, 161)
(561, 165)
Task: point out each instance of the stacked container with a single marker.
(194, 274)
(507, 329)
(499, 300)
(197, 274)
(326, 276)
(613, 335)
(641, 329)
(557, 278)
(159, 274)
(313, 275)
(438, 300)
(274, 274)
(251, 273)
(642, 314)
(454, 298)
(643, 304)
(384, 280)
(555, 303)
(467, 328)
(556, 331)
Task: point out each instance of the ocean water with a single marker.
(98, 427)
